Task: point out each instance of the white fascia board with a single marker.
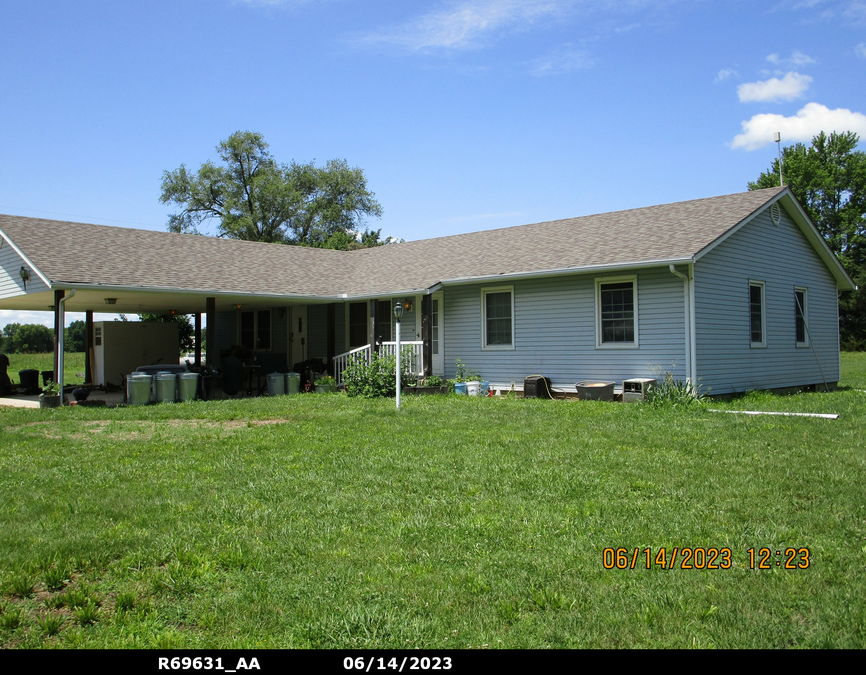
(806, 226)
(584, 269)
(26, 259)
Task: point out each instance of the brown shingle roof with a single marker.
(69, 253)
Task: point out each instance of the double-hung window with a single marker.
(801, 317)
(757, 314)
(616, 312)
(497, 320)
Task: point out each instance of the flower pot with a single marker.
(49, 401)
(326, 388)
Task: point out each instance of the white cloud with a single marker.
(561, 60)
(725, 73)
(791, 86)
(797, 58)
(463, 24)
(860, 50)
(809, 121)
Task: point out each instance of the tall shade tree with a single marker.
(829, 180)
(250, 196)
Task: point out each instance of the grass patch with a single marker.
(73, 366)
(329, 522)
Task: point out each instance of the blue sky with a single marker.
(464, 114)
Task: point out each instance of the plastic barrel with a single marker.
(166, 386)
(29, 381)
(187, 385)
(293, 383)
(138, 389)
(276, 384)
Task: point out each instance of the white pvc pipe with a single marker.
(398, 364)
(826, 416)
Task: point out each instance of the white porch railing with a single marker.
(413, 355)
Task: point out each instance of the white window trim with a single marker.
(599, 344)
(484, 292)
(763, 286)
(805, 292)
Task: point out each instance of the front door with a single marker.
(437, 334)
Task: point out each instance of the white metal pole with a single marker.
(398, 364)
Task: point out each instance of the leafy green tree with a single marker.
(252, 197)
(186, 331)
(76, 337)
(829, 180)
(31, 338)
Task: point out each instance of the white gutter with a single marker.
(61, 311)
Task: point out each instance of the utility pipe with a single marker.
(60, 345)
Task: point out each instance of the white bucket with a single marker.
(473, 388)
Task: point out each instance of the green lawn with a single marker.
(322, 521)
(73, 366)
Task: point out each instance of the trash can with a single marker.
(166, 387)
(138, 389)
(29, 381)
(293, 383)
(276, 384)
(47, 376)
(187, 385)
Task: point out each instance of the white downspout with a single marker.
(688, 315)
(60, 341)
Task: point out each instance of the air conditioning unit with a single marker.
(636, 389)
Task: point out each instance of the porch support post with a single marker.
(426, 328)
(198, 339)
(88, 346)
(58, 296)
(332, 336)
(210, 330)
(373, 327)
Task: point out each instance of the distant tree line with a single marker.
(34, 338)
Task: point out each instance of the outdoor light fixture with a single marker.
(398, 314)
(407, 305)
(110, 301)
(25, 276)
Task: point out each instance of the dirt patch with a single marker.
(130, 429)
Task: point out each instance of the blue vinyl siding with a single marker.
(781, 258)
(555, 331)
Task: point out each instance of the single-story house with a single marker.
(735, 292)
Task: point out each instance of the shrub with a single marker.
(670, 391)
(373, 379)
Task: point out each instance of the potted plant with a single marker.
(50, 396)
(325, 385)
